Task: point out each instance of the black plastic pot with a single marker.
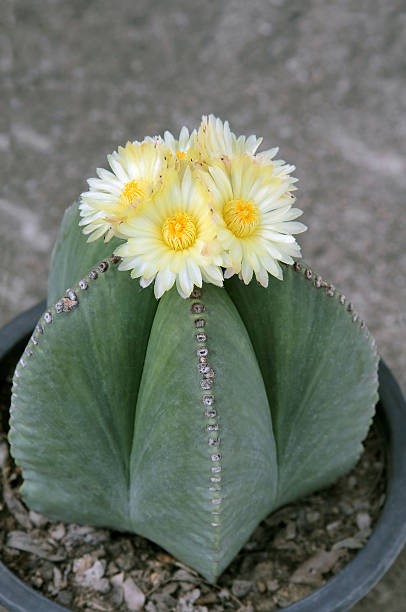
(338, 594)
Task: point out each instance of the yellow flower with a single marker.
(174, 240)
(118, 196)
(216, 140)
(252, 202)
(191, 205)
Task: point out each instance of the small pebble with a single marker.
(331, 527)
(346, 508)
(133, 596)
(264, 570)
(58, 532)
(117, 596)
(125, 562)
(363, 520)
(170, 588)
(184, 576)
(37, 582)
(92, 577)
(207, 598)
(57, 578)
(224, 594)
(362, 505)
(248, 607)
(64, 598)
(37, 519)
(112, 569)
(291, 530)
(186, 602)
(312, 516)
(311, 571)
(82, 564)
(117, 579)
(272, 585)
(351, 543)
(240, 588)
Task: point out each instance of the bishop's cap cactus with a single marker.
(227, 382)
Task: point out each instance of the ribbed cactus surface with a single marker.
(187, 421)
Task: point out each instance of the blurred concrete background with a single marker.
(323, 80)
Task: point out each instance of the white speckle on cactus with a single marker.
(48, 317)
(208, 400)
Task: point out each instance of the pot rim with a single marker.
(340, 592)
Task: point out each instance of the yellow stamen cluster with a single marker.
(200, 207)
(133, 191)
(179, 231)
(241, 217)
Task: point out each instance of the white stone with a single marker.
(133, 596)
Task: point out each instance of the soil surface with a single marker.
(291, 553)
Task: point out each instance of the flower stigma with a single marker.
(179, 231)
(241, 217)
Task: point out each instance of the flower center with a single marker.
(133, 191)
(179, 231)
(241, 217)
(181, 154)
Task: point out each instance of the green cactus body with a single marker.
(186, 420)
